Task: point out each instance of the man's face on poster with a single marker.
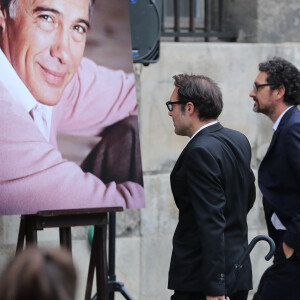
(44, 41)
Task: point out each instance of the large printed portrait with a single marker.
(69, 129)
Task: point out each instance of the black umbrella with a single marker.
(231, 278)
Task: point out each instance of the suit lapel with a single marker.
(279, 128)
(274, 138)
(205, 131)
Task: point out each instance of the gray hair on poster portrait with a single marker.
(49, 88)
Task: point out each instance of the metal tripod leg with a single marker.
(113, 285)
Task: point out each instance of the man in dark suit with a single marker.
(276, 92)
(213, 188)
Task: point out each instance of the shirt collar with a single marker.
(275, 126)
(204, 126)
(16, 87)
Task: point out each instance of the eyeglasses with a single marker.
(170, 104)
(257, 86)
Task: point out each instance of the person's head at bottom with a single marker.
(38, 273)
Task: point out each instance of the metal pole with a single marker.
(176, 20)
(221, 14)
(207, 22)
(192, 16)
(112, 251)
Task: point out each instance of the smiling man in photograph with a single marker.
(47, 86)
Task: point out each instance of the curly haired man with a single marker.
(276, 93)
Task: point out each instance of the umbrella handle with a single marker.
(253, 243)
(233, 274)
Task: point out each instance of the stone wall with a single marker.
(263, 21)
(278, 21)
(144, 236)
(240, 16)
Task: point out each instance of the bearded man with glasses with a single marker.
(276, 94)
(213, 188)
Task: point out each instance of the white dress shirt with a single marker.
(201, 128)
(274, 219)
(40, 113)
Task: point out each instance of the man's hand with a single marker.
(217, 298)
(288, 251)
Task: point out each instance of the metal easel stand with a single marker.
(113, 285)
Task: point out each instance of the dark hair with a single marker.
(203, 92)
(37, 273)
(283, 73)
(5, 4)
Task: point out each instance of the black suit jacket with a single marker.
(279, 178)
(213, 187)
